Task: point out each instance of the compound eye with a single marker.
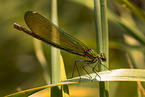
(103, 59)
(102, 54)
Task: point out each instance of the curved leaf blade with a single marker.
(138, 12)
(113, 75)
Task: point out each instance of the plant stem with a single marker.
(41, 58)
(55, 55)
(100, 8)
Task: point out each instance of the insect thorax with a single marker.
(91, 54)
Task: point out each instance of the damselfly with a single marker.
(48, 32)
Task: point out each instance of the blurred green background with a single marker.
(19, 68)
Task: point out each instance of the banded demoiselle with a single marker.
(49, 33)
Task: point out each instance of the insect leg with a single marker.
(93, 69)
(101, 64)
(105, 66)
(75, 65)
(85, 69)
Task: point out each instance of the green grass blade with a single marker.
(57, 65)
(113, 75)
(140, 89)
(64, 88)
(105, 47)
(41, 58)
(133, 9)
(97, 11)
(104, 27)
(102, 38)
(127, 28)
(55, 53)
(100, 8)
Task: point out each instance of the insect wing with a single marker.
(52, 34)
